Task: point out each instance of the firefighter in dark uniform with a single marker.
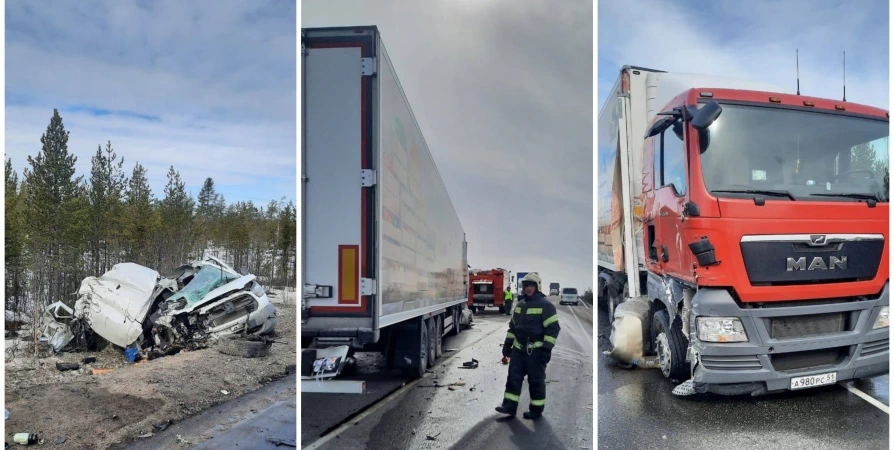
(532, 334)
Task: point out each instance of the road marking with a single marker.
(872, 401)
(581, 325)
(349, 424)
(585, 304)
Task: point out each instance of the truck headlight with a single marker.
(882, 320)
(721, 329)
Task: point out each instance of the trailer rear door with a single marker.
(338, 206)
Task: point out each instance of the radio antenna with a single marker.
(797, 72)
(843, 76)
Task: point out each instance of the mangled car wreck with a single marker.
(149, 315)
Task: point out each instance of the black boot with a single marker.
(503, 409)
(532, 414)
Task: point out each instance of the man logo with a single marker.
(817, 239)
(818, 263)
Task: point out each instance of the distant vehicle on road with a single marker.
(570, 296)
(554, 289)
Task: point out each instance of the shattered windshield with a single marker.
(807, 155)
(207, 279)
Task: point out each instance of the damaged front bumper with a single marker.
(766, 363)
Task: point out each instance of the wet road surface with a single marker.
(422, 415)
(246, 422)
(637, 410)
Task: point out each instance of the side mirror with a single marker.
(659, 126)
(706, 115)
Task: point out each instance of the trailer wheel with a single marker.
(439, 336)
(432, 353)
(417, 370)
(670, 345)
(457, 312)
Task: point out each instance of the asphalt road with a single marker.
(246, 422)
(426, 414)
(637, 410)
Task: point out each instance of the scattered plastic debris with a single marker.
(224, 392)
(25, 438)
(473, 364)
(146, 435)
(685, 388)
(284, 442)
(62, 367)
(100, 371)
(432, 438)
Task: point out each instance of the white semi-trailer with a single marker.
(383, 251)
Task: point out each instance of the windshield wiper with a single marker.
(759, 192)
(852, 195)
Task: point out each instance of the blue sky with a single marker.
(207, 86)
(754, 40)
(503, 93)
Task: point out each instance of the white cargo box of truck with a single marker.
(383, 251)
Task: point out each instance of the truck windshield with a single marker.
(796, 155)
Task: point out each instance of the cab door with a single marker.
(671, 193)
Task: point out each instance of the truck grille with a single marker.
(780, 263)
(807, 325)
(745, 362)
(785, 362)
(874, 348)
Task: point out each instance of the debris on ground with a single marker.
(25, 438)
(146, 435)
(181, 440)
(89, 360)
(100, 371)
(284, 442)
(473, 364)
(62, 367)
(432, 438)
(224, 392)
(60, 440)
(162, 426)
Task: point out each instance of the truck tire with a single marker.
(243, 346)
(432, 352)
(670, 345)
(457, 311)
(439, 336)
(420, 363)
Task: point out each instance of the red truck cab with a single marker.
(765, 228)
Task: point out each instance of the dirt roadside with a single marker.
(96, 411)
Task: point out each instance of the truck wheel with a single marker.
(417, 370)
(456, 316)
(430, 322)
(670, 345)
(439, 336)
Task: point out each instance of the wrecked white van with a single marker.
(133, 306)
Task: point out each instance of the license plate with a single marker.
(814, 380)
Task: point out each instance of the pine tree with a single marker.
(177, 214)
(14, 242)
(53, 190)
(140, 222)
(205, 212)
